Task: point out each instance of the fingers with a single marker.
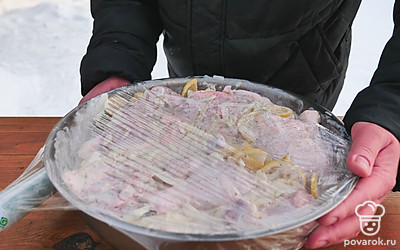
(375, 144)
(373, 188)
(368, 140)
(346, 229)
(110, 83)
(336, 233)
(375, 153)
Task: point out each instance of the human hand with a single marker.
(374, 156)
(110, 83)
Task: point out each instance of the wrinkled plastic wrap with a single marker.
(24, 194)
(214, 164)
(32, 190)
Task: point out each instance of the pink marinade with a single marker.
(109, 179)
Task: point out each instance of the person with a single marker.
(301, 46)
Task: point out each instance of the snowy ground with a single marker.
(43, 41)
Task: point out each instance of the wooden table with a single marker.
(21, 138)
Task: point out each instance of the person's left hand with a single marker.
(374, 156)
(108, 84)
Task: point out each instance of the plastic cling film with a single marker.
(27, 192)
(25, 196)
(290, 239)
(201, 164)
(35, 166)
(4, 219)
(33, 190)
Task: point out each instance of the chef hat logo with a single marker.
(370, 224)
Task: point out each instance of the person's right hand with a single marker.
(110, 83)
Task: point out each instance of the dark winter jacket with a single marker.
(302, 46)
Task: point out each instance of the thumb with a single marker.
(368, 140)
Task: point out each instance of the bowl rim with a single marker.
(130, 228)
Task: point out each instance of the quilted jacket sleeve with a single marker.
(380, 102)
(125, 33)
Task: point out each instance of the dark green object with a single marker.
(3, 222)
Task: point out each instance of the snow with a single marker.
(43, 41)
(372, 29)
(41, 48)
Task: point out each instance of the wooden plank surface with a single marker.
(21, 138)
(27, 124)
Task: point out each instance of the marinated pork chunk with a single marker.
(212, 162)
